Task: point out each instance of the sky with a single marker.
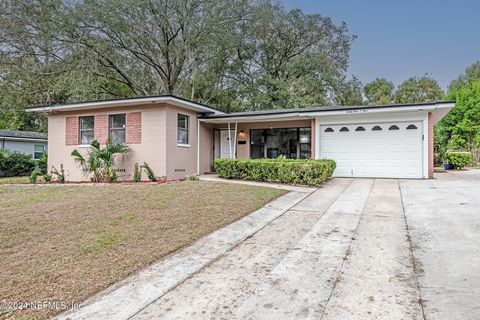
(398, 39)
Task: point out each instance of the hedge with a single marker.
(307, 172)
(16, 164)
(458, 159)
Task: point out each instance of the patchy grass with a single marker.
(65, 243)
(15, 180)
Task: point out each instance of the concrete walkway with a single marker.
(443, 217)
(353, 249)
(341, 253)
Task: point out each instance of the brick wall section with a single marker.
(133, 128)
(71, 131)
(101, 128)
(430, 145)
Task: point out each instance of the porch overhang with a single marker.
(127, 102)
(262, 118)
(438, 109)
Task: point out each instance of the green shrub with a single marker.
(58, 175)
(42, 164)
(47, 178)
(308, 172)
(34, 176)
(458, 159)
(150, 174)
(100, 162)
(192, 177)
(16, 164)
(137, 173)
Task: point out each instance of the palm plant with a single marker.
(100, 162)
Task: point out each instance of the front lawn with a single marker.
(14, 180)
(65, 243)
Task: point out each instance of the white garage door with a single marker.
(390, 150)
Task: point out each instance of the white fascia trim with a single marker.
(273, 117)
(432, 107)
(24, 139)
(125, 102)
(327, 113)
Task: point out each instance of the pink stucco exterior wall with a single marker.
(157, 137)
(180, 161)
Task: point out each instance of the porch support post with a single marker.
(198, 146)
(229, 141)
(235, 141)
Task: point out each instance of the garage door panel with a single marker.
(377, 153)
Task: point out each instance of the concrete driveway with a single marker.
(353, 249)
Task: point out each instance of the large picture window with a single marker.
(86, 126)
(117, 128)
(182, 129)
(291, 143)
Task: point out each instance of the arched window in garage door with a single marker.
(344, 129)
(394, 127)
(328, 130)
(377, 128)
(360, 129)
(412, 127)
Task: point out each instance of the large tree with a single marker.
(472, 73)
(236, 55)
(418, 90)
(154, 47)
(460, 128)
(289, 59)
(379, 91)
(37, 67)
(350, 93)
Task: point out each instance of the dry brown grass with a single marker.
(65, 243)
(14, 180)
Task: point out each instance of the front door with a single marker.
(225, 144)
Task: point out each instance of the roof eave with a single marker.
(302, 114)
(126, 102)
(8, 138)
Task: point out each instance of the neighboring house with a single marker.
(178, 137)
(29, 142)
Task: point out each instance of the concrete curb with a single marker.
(128, 297)
(215, 178)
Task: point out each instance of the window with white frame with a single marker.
(117, 127)
(38, 151)
(86, 126)
(182, 129)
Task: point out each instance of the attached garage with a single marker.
(377, 149)
(392, 141)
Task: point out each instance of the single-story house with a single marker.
(178, 137)
(29, 142)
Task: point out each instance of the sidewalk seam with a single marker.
(348, 251)
(410, 247)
